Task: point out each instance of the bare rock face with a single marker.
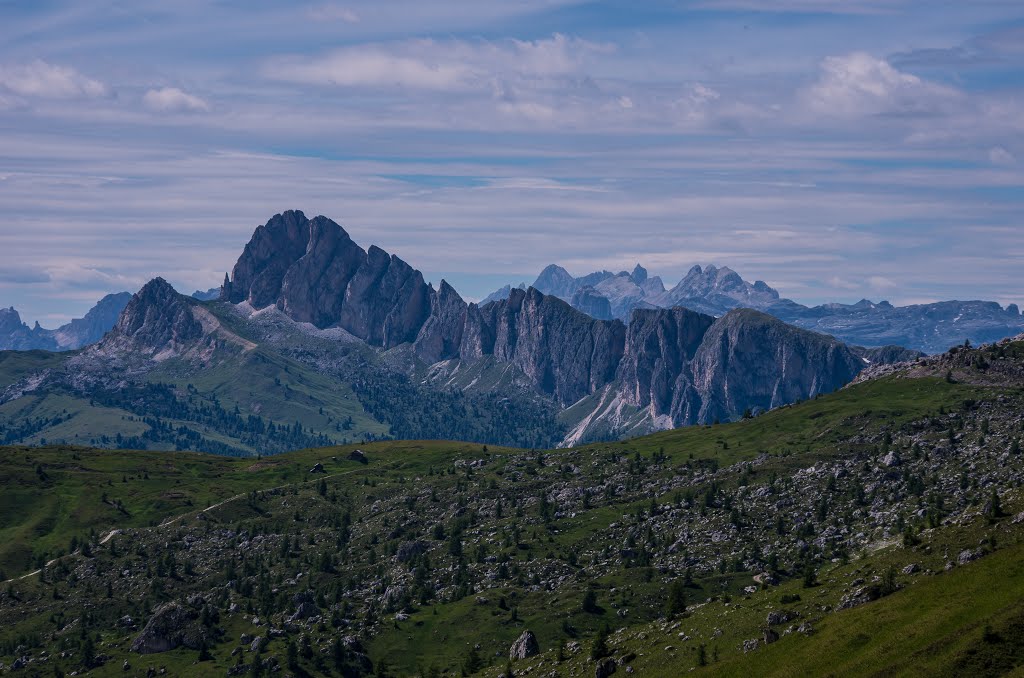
(751, 360)
(525, 646)
(171, 626)
(441, 335)
(157, 318)
(589, 301)
(314, 272)
(655, 370)
(564, 352)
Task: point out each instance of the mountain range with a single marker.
(316, 340)
(930, 328)
(18, 336)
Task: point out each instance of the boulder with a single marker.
(409, 550)
(860, 596)
(170, 627)
(605, 667)
(776, 617)
(525, 646)
(967, 556)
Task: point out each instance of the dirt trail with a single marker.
(107, 536)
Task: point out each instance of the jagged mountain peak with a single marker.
(157, 318)
(315, 273)
(9, 319)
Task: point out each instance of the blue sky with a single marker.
(835, 149)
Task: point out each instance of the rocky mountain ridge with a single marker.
(17, 336)
(532, 351)
(931, 328)
(313, 272)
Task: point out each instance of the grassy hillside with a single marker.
(431, 558)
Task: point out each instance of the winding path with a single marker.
(107, 536)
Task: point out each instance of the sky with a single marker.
(836, 149)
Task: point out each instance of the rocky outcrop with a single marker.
(440, 338)
(171, 626)
(312, 271)
(750, 360)
(655, 370)
(157, 320)
(565, 353)
(525, 646)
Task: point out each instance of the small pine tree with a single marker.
(676, 603)
(889, 583)
(599, 649)
(994, 509)
(810, 575)
(474, 662)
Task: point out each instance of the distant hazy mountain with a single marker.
(931, 328)
(500, 294)
(312, 332)
(208, 295)
(16, 335)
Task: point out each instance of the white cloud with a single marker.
(859, 84)
(41, 79)
(998, 155)
(173, 100)
(449, 65)
(881, 283)
(333, 12)
(841, 283)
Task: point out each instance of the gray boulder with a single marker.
(171, 626)
(525, 646)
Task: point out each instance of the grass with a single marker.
(49, 495)
(41, 513)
